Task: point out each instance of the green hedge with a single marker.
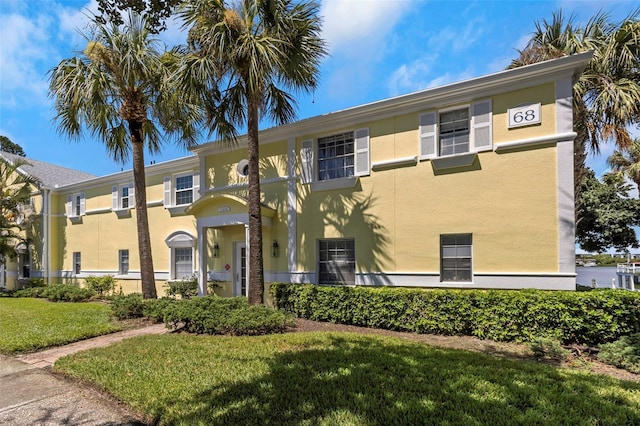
(503, 315)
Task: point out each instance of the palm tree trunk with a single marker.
(579, 151)
(142, 220)
(256, 273)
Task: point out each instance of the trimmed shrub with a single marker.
(103, 285)
(623, 353)
(127, 306)
(591, 318)
(154, 309)
(65, 293)
(549, 347)
(215, 315)
(29, 292)
(186, 289)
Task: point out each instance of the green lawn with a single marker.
(345, 379)
(28, 324)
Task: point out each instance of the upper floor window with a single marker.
(462, 130)
(184, 190)
(122, 197)
(339, 156)
(181, 190)
(75, 205)
(335, 156)
(454, 132)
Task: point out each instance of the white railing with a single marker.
(629, 268)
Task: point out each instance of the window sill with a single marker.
(175, 210)
(75, 219)
(122, 212)
(454, 161)
(333, 184)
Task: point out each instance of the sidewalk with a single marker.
(31, 395)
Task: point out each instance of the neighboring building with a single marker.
(468, 185)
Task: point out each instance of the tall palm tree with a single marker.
(245, 59)
(120, 90)
(607, 95)
(627, 162)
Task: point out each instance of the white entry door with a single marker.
(240, 269)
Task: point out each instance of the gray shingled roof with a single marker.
(50, 175)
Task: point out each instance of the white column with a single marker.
(246, 258)
(292, 205)
(202, 260)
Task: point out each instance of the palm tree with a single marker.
(119, 90)
(607, 94)
(626, 162)
(244, 60)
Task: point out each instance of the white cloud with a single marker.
(360, 25)
(25, 43)
(417, 76)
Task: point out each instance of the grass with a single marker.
(343, 378)
(28, 324)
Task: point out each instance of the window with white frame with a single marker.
(335, 156)
(455, 131)
(123, 262)
(75, 205)
(123, 197)
(336, 262)
(182, 263)
(181, 190)
(340, 156)
(77, 262)
(456, 257)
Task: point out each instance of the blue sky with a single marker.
(378, 49)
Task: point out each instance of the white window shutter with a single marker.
(114, 198)
(167, 191)
(481, 125)
(306, 156)
(82, 204)
(361, 164)
(132, 199)
(69, 205)
(428, 135)
(196, 185)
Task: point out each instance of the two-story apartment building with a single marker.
(468, 185)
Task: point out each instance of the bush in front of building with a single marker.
(231, 316)
(590, 318)
(127, 306)
(66, 293)
(102, 286)
(623, 353)
(185, 288)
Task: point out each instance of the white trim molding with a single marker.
(532, 142)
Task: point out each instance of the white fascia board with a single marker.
(463, 91)
(171, 167)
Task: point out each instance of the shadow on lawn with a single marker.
(339, 380)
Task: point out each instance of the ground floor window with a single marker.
(123, 262)
(337, 262)
(77, 262)
(456, 256)
(183, 263)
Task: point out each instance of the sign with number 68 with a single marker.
(524, 115)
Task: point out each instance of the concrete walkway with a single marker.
(31, 395)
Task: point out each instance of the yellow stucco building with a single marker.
(468, 185)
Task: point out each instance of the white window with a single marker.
(183, 263)
(181, 190)
(77, 262)
(181, 245)
(75, 205)
(456, 131)
(123, 262)
(339, 156)
(455, 257)
(336, 262)
(122, 197)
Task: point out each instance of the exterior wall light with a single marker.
(275, 249)
(216, 250)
